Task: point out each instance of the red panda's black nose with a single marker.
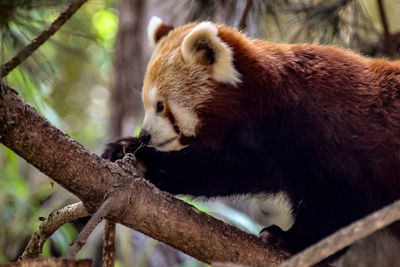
(144, 136)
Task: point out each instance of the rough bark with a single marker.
(109, 244)
(142, 207)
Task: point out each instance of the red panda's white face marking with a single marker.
(183, 71)
(163, 135)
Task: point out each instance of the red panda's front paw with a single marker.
(117, 150)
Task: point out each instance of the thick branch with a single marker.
(28, 134)
(38, 41)
(148, 210)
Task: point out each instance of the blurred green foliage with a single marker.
(67, 81)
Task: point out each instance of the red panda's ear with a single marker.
(157, 30)
(203, 46)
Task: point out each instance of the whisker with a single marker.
(141, 145)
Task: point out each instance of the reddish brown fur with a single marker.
(161, 31)
(349, 103)
(322, 124)
(171, 118)
(341, 108)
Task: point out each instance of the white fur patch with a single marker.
(160, 128)
(272, 210)
(154, 23)
(263, 208)
(157, 125)
(153, 95)
(223, 68)
(186, 119)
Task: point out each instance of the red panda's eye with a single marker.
(160, 106)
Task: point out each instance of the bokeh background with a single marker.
(87, 80)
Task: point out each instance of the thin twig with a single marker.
(38, 41)
(243, 19)
(386, 32)
(97, 217)
(109, 244)
(50, 262)
(50, 225)
(346, 236)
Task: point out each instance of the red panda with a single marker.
(226, 114)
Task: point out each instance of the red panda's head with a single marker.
(187, 65)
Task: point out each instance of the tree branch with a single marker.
(50, 225)
(346, 236)
(108, 256)
(50, 262)
(97, 217)
(38, 41)
(243, 19)
(147, 209)
(386, 32)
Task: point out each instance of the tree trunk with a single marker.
(129, 68)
